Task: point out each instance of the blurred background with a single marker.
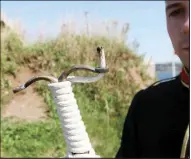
(47, 37)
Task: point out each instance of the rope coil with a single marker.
(75, 134)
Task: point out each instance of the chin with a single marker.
(187, 65)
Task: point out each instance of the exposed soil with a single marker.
(25, 105)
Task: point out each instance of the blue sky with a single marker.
(147, 20)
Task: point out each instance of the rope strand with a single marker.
(76, 137)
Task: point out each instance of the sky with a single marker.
(146, 19)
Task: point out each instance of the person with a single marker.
(158, 117)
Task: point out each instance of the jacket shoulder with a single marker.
(159, 91)
(160, 87)
(164, 82)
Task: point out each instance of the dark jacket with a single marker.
(156, 122)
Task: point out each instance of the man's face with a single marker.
(177, 15)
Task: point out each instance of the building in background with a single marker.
(151, 69)
(167, 70)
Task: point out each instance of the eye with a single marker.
(176, 12)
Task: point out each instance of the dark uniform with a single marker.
(157, 120)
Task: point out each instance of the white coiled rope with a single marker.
(76, 137)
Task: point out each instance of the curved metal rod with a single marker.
(76, 79)
(74, 68)
(34, 79)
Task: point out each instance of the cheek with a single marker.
(174, 37)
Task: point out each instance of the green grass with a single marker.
(103, 104)
(21, 139)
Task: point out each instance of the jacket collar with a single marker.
(185, 77)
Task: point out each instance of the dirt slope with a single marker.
(27, 105)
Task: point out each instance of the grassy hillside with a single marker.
(103, 104)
